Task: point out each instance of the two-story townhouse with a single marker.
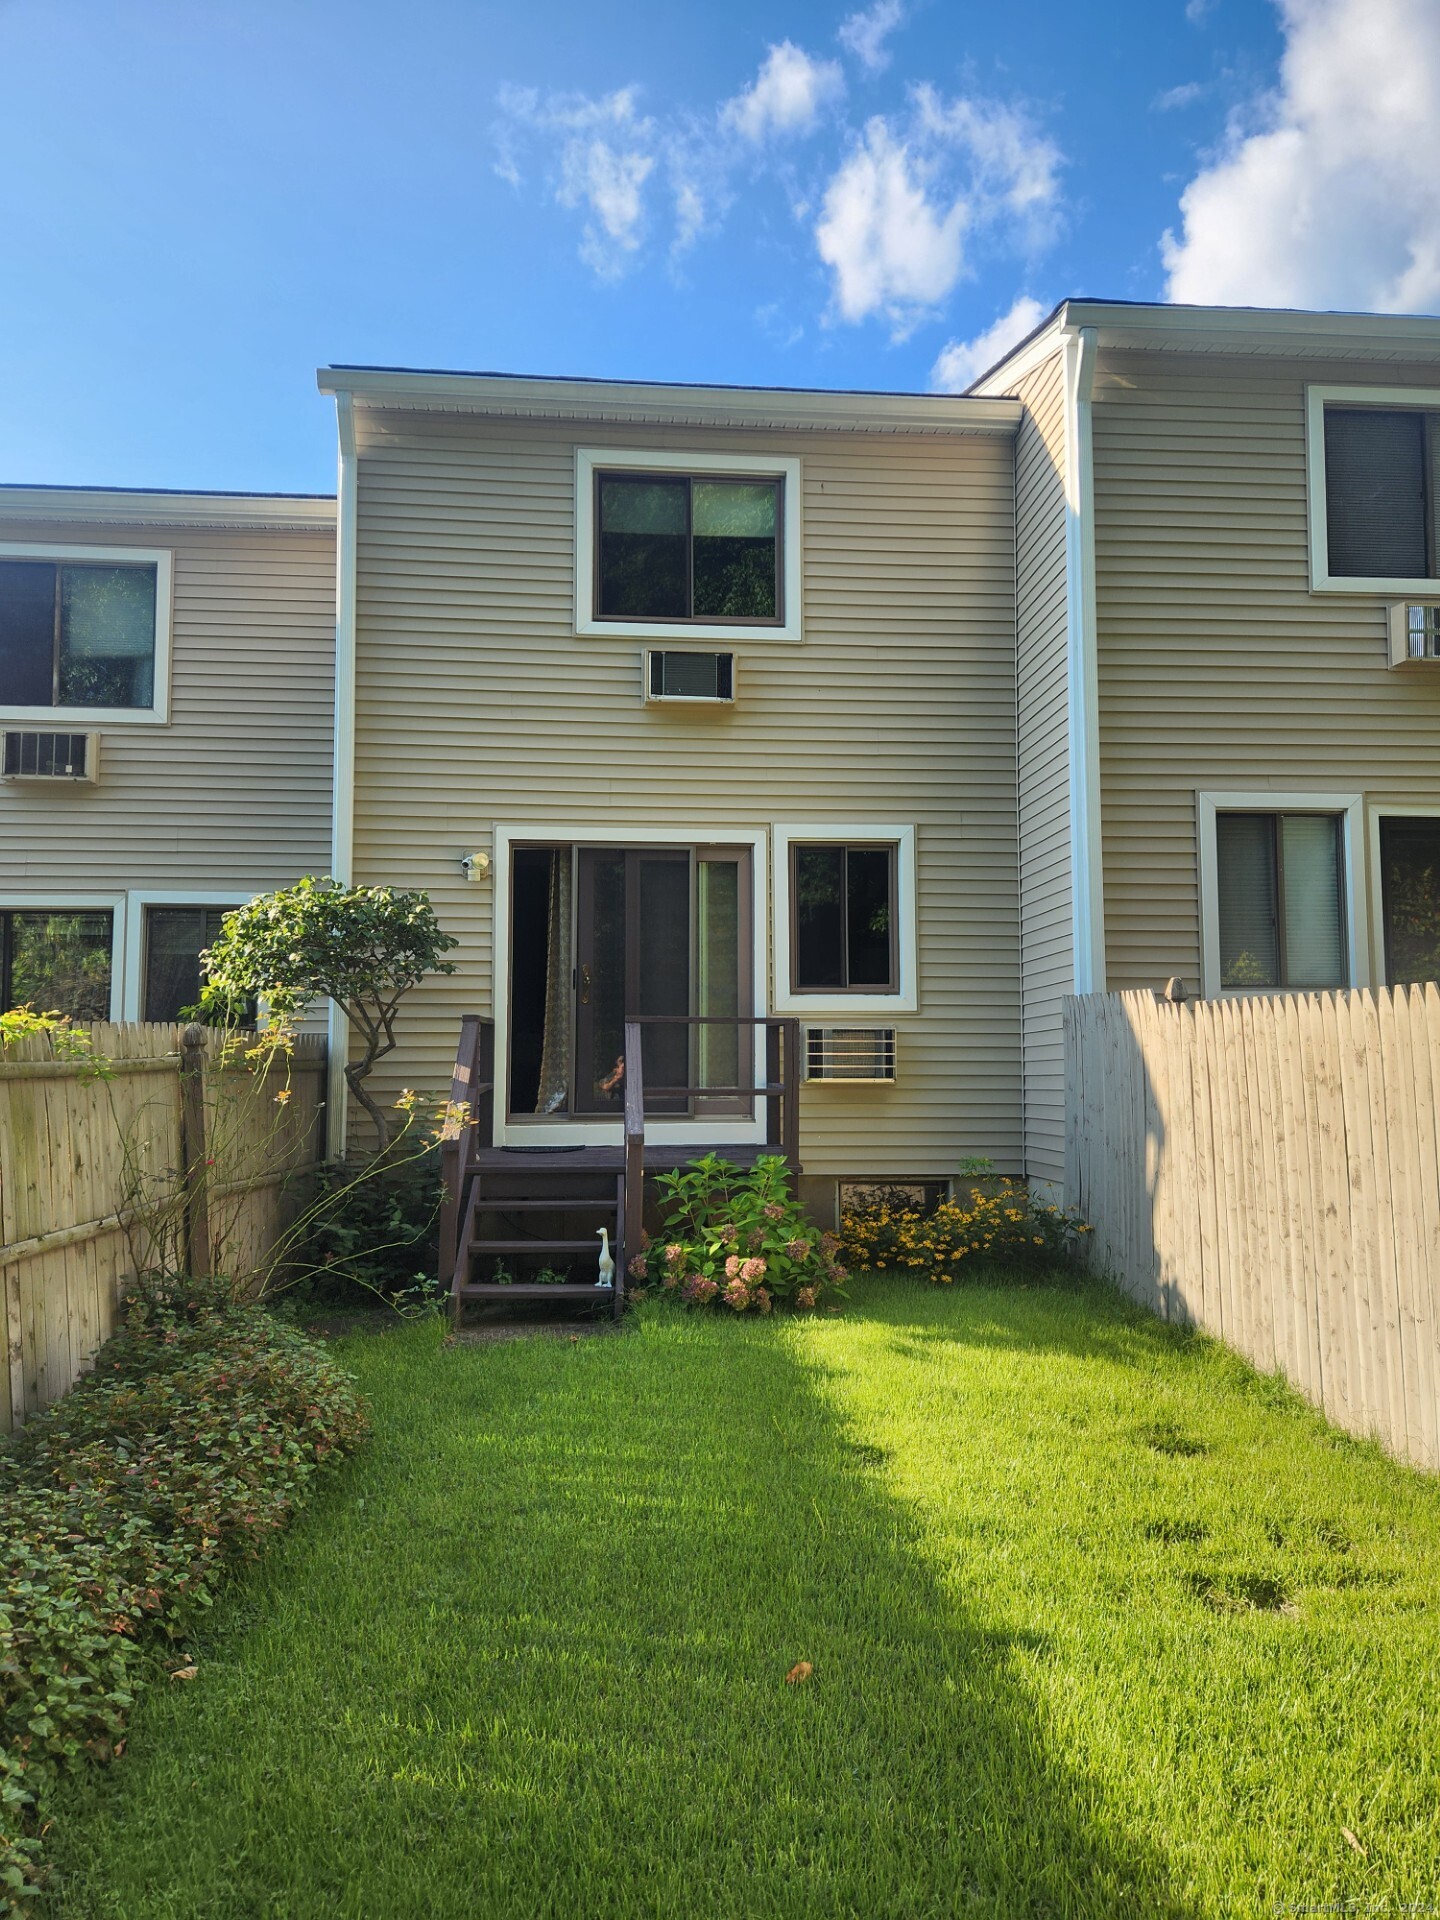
(693, 701)
(1228, 692)
(166, 700)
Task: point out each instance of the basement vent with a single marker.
(671, 675)
(1414, 634)
(51, 756)
(850, 1053)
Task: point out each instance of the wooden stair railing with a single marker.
(780, 1090)
(469, 1125)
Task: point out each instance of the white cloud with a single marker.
(609, 183)
(787, 95)
(889, 246)
(899, 211)
(1197, 10)
(607, 152)
(864, 34)
(1185, 95)
(1326, 192)
(962, 361)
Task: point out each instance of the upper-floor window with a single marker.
(705, 545)
(1374, 489)
(82, 632)
(686, 548)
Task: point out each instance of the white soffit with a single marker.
(521, 397)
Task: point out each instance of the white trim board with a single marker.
(679, 633)
(840, 1007)
(86, 719)
(1317, 398)
(1351, 808)
(612, 1132)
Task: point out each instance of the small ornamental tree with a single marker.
(362, 947)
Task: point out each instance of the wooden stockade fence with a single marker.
(1268, 1169)
(166, 1142)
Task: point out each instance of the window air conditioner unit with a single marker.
(850, 1053)
(50, 756)
(1414, 634)
(694, 677)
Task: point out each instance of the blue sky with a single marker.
(203, 202)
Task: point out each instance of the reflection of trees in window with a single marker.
(682, 549)
(58, 962)
(1410, 884)
(77, 635)
(844, 913)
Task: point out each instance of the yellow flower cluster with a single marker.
(1003, 1224)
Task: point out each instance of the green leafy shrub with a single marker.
(1000, 1223)
(737, 1238)
(195, 1439)
(373, 1230)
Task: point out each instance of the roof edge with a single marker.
(526, 396)
(165, 507)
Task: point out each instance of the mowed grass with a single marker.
(1100, 1624)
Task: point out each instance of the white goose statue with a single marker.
(607, 1263)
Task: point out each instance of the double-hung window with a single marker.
(83, 633)
(704, 546)
(1374, 489)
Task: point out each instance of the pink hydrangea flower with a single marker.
(700, 1288)
(674, 1254)
(762, 1300)
(774, 1211)
(805, 1296)
(751, 1271)
(733, 1266)
(637, 1267)
(737, 1295)
(797, 1249)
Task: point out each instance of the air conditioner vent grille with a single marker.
(50, 756)
(681, 674)
(850, 1053)
(1414, 633)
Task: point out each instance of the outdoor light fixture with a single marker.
(475, 866)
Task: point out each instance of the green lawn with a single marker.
(1101, 1624)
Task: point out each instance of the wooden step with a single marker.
(532, 1290)
(498, 1203)
(537, 1246)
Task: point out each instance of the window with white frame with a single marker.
(845, 918)
(1374, 489)
(1277, 894)
(705, 545)
(57, 960)
(83, 632)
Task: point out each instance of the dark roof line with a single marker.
(171, 493)
(678, 386)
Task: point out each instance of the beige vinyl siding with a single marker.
(233, 794)
(1047, 960)
(1217, 665)
(477, 704)
(237, 787)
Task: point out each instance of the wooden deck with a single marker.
(611, 1159)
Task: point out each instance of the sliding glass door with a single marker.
(603, 934)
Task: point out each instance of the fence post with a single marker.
(192, 1150)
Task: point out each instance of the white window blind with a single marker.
(1377, 498)
(1280, 899)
